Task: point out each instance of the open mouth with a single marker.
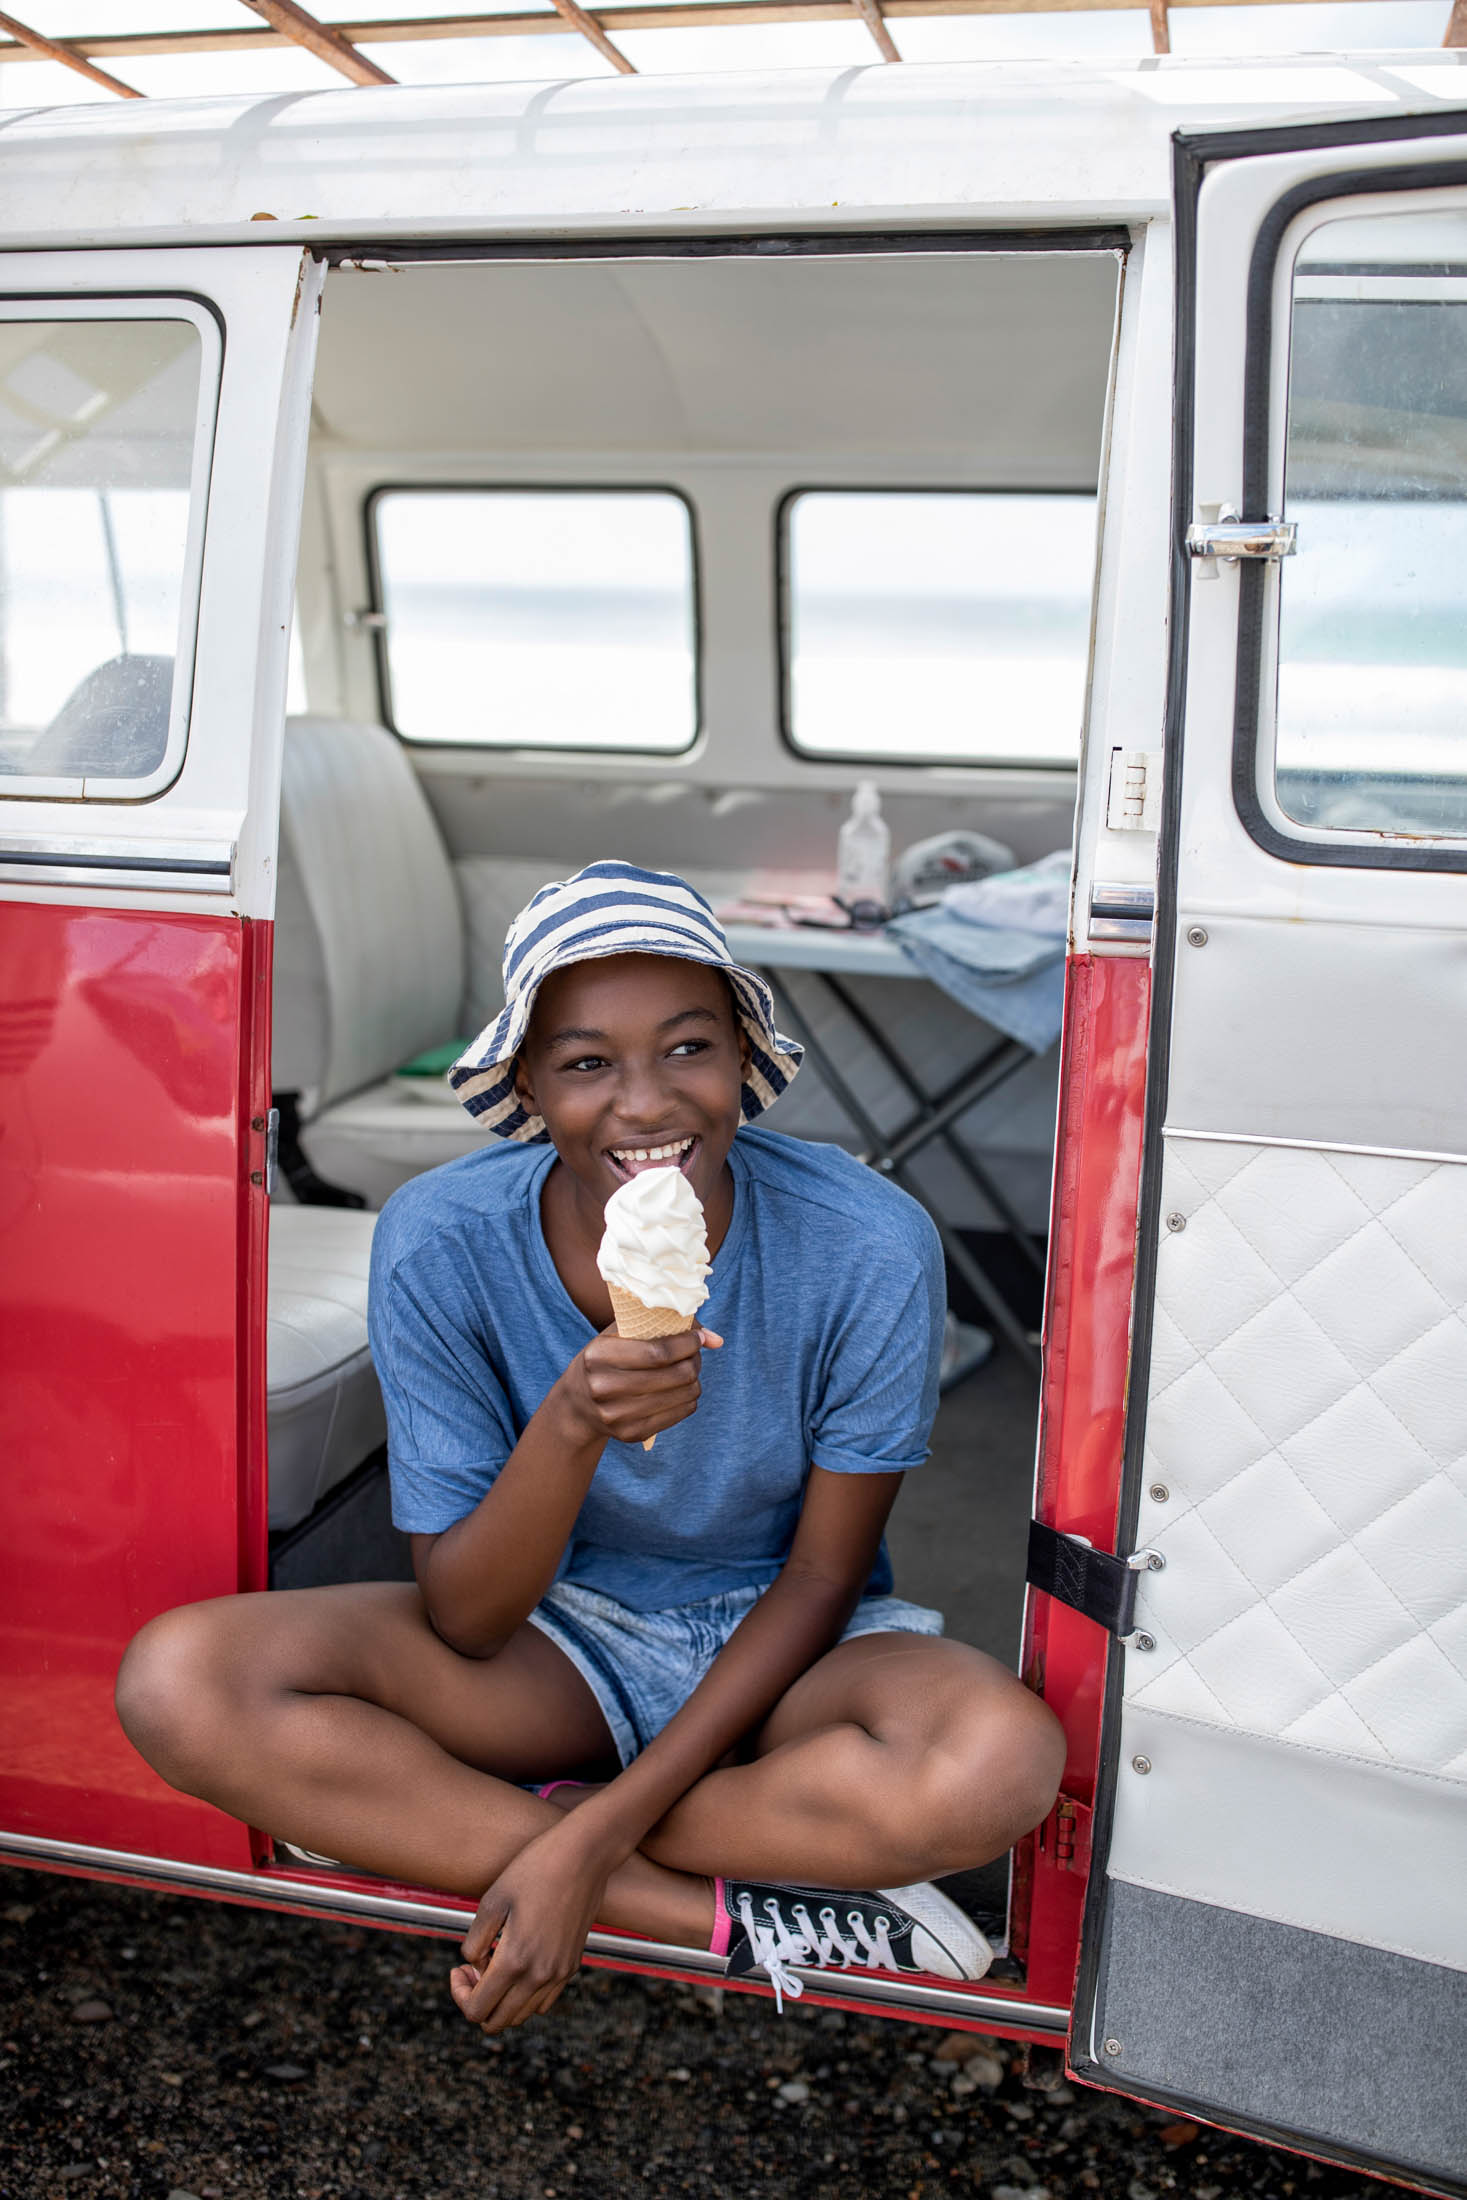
(672, 1153)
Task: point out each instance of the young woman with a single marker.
(671, 1690)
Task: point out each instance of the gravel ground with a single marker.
(164, 2048)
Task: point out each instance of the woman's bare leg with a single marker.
(895, 1758)
(336, 1719)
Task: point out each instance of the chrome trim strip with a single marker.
(1313, 1145)
(119, 854)
(451, 1921)
(1121, 913)
(103, 876)
(178, 866)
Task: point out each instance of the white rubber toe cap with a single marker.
(945, 1941)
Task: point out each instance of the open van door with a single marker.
(1276, 1930)
(154, 407)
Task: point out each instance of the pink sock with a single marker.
(722, 1922)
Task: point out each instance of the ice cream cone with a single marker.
(633, 1319)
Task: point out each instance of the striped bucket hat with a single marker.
(610, 909)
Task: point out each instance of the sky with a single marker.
(1111, 34)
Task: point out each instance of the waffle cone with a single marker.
(633, 1319)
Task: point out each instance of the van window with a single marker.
(942, 626)
(1372, 675)
(103, 459)
(538, 618)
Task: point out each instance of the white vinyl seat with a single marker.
(326, 1414)
(369, 959)
(377, 1139)
(368, 971)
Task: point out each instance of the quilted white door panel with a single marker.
(1306, 1460)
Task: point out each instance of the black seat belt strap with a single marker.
(1096, 1583)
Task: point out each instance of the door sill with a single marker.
(346, 1899)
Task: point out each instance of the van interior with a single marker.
(655, 556)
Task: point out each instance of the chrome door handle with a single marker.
(1231, 539)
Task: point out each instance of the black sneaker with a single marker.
(905, 1931)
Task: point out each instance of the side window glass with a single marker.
(538, 618)
(942, 626)
(104, 450)
(1371, 729)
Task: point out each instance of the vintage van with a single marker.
(627, 467)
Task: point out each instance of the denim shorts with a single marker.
(642, 1666)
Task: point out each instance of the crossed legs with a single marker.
(338, 1720)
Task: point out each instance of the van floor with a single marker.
(959, 1539)
(959, 1533)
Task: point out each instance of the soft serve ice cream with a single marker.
(654, 1256)
(655, 1245)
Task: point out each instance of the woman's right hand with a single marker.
(625, 1389)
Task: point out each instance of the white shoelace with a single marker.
(778, 1945)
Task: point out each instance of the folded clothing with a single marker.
(1035, 898)
(998, 946)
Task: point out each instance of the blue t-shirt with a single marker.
(828, 1290)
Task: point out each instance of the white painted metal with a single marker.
(840, 148)
(1128, 670)
(1318, 1026)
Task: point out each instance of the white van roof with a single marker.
(1052, 141)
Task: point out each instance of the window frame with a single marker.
(205, 318)
(885, 760)
(377, 613)
(1292, 219)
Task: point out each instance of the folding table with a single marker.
(834, 958)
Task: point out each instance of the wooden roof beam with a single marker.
(615, 17)
(53, 49)
(590, 29)
(303, 29)
(875, 22)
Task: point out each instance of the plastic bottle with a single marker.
(863, 859)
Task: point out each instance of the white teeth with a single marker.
(651, 1153)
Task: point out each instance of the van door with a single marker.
(1276, 1935)
(153, 415)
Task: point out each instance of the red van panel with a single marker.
(1087, 1351)
(127, 1301)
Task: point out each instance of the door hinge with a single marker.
(1121, 913)
(1065, 1835)
(1097, 1584)
(1133, 798)
(272, 1150)
(1225, 538)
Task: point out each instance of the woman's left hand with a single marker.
(526, 1943)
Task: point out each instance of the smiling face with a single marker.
(635, 1062)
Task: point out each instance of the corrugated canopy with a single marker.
(158, 48)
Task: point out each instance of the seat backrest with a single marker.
(113, 725)
(369, 944)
